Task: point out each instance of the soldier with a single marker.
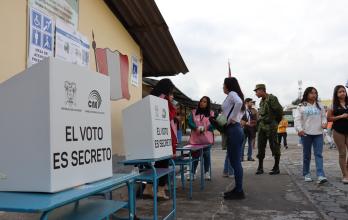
(270, 114)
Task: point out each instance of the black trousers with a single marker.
(162, 164)
(284, 136)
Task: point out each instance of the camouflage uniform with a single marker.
(267, 130)
(267, 127)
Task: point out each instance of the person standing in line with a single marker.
(164, 89)
(309, 123)
(282, 134)
(233, 109)
(270, 114)
(202, 133)
(338, 114)
(249, 121)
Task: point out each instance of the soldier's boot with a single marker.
(260, 168)
(275, 169)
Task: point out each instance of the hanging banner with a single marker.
(41, 27)
(134, 74)
(71, 46)
(66, 10)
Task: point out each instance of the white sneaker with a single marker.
(321, 179)
(207, 176)
(308, 178)
(345, 180)
(188, 177)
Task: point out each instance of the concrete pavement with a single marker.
(281, 197)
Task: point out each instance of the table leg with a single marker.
(155, 214)
(191, 174)
(169, 182)
(44, 216)
(210, 170)
(131, 199)
(174, 188)
(182, 170)
(202, 169)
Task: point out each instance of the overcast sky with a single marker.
(276, 42)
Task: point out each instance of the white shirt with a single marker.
(233, 99)
(309, 118)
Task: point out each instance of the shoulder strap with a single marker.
(230, 112)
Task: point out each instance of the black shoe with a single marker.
(274, 171)
(286, 147)
(251, 159)
(229, 192)
(259, 171)
(235, 196)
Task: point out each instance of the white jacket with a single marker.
(309, 118)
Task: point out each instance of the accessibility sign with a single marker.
(40, 36)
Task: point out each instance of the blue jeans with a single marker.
(317, 142)
(250, 145)
(227, 166)
(235, 138)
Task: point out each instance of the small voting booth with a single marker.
(55, 128)
(146, 129)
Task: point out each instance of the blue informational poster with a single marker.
(135, 73)
(41, 30)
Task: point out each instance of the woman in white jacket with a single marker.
(310, 121)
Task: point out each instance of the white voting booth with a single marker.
(146, 129)
(55, 128)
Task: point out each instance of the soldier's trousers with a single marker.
(269, 133)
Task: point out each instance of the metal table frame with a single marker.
(45, 203)
(189, 160)
(152, 175)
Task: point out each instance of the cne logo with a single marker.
(94, 99)
(164, 113)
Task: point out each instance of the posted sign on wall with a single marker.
(56, 130)
(41, 29)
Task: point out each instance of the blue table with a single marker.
(45, 203)
(152, 174)
(185, 158)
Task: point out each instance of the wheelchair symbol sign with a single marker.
(36, 19)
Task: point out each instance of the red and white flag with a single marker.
(116, 66)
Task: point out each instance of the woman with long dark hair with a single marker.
(202, 132)
(164, 89)
(338, 114)
(309, 123)
(233, 108)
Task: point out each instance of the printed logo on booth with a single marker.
(164, 113)
(94, 99)
(70, 93)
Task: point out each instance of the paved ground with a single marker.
(282, 197)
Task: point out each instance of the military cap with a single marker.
(260, 86)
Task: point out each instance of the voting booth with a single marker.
(55, 128)
(146, 129)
